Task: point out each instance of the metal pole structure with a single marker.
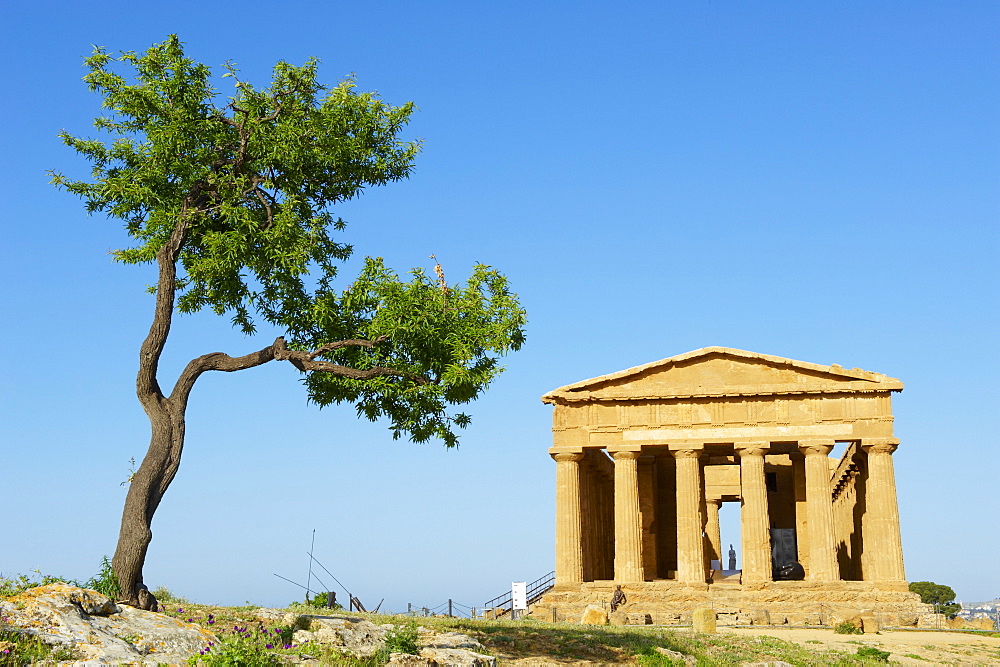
(449, 607)
(409, 607)
(309, 578)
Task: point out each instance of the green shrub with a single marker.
(318, 600)
(105, 581)
(403, 639)
(872, 653)
(848, 628)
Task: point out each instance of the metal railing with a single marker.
(504, 604)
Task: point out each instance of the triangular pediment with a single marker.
(723, 371)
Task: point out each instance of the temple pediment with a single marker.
(723, 371)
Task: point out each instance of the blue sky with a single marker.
(811, 180)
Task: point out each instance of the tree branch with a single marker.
(261, 194)
(278, 350)
(358, 342)
(304, 362)
(218, 361)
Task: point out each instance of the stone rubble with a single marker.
(355, 636)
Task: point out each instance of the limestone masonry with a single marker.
(645, 458)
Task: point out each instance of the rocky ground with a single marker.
(100, 632)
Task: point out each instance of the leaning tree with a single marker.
(232, 201)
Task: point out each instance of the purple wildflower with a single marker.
(268, 646)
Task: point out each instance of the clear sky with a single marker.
(812, 180)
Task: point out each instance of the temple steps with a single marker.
(770, 603)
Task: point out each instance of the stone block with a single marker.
(759, 617)
(703, 620)
(594, 615)
(743, 619)
(804, 618)
(727, 619)
(870, 624)
(846, 617)
(937, 621)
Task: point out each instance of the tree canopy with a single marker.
(939, 595)
(232, 200)
(244, 190)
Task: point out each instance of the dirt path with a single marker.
(913, 647)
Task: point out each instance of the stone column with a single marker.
(569, 538)
(801, 507)
(647, 514)
(755, 524)
(882, 512)
(713, 530)
(819, 503)
(628, 530)
(690, 544)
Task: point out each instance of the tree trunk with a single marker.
(148, 485)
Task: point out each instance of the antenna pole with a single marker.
(309, 578)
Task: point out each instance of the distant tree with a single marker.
(232, 203)
(939, 595)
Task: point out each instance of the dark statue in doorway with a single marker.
(618, 599)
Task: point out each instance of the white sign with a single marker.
(519, 594)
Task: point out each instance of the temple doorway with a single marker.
(729, 529)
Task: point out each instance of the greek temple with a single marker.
(646, 457)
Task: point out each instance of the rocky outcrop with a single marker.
(104, 633)
(100, 631)
(351, 635)
(360, 638)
